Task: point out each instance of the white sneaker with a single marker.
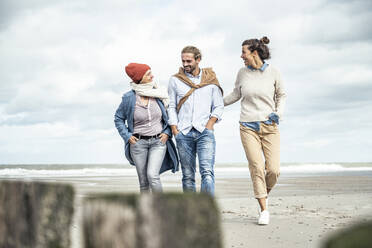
(264, 218)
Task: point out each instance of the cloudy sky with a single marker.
(62, 72)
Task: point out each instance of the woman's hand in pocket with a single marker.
(163, 138)
(133, 140)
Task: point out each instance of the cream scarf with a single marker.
(152, 90)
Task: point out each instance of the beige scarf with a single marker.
(152, 90)
(208, 77)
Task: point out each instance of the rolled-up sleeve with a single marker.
(172, 109)
(217, 103)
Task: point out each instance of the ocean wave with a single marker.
(318, 168)
(304, 168)
(85, 172)
(106, 172)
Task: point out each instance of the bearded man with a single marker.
(196, 104)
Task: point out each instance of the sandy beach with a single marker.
(304, 210)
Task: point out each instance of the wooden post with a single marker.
(151, 221)
(35, 214)
(356, 236)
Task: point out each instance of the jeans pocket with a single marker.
(177, 135)
(132, 145)
(161, 142)
(273, 128)
(209, 130)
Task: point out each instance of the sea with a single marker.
(222, 170)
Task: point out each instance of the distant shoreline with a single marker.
(221, 170)
(234, 164)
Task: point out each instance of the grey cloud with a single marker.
(80, 37)
(90, 112)
(12, 9)
(339, 23)
(7, 92)
(351, 6)
(96, 117)
(335, 99)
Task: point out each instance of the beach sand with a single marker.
(304, 210)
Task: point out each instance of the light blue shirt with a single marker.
(202, 104)
(255, 125)
(263, 67)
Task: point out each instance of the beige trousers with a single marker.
(262, 150)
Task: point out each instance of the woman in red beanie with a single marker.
(142, 122)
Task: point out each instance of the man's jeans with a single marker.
(148, 156)
(204, 145)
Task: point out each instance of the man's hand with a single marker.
(174, 130)
(209, 126)
(210, 123)
(133, 140)
(163, 137)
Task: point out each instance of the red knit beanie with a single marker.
(136, 71)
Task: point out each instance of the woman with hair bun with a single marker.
(260, 87)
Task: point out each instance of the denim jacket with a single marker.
(124, 124)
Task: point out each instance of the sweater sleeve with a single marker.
(280, 95)
(235, 95)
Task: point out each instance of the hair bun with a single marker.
(265, 40)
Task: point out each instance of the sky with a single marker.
(62, 72)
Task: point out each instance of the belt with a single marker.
(146, 137)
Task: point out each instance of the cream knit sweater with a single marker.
(262, 92)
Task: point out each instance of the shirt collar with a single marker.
(263, 67)
(192, 76)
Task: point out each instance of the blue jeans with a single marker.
(204, 145)
(148, 156)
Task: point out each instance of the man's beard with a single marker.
(190, 69)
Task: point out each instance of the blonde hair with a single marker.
(193, 50)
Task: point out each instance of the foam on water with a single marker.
(319, 168)
(31, 172)
(86, 172)
(304, 168)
